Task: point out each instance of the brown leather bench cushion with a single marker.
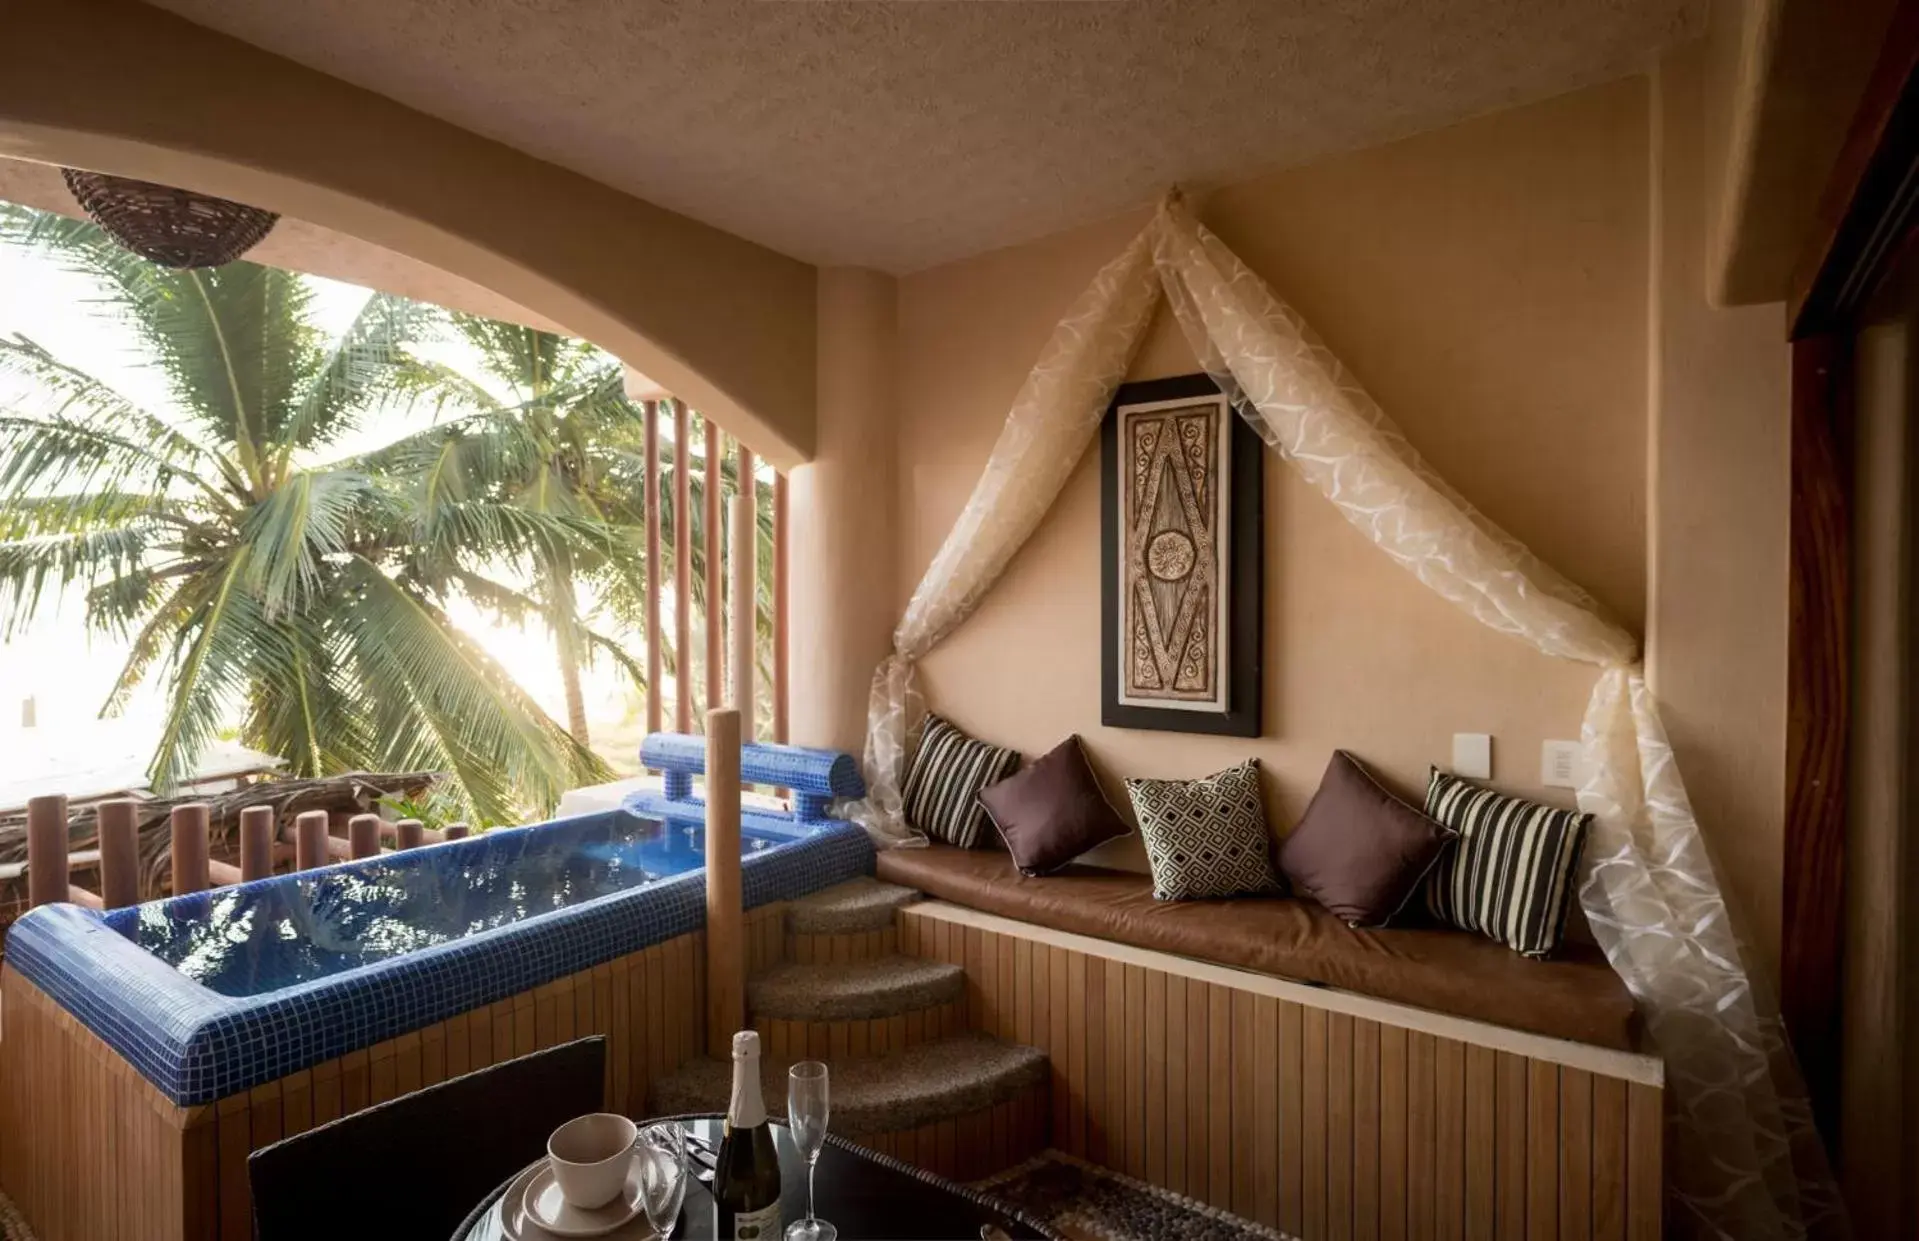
(1574, 996)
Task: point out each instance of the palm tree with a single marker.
(546, 428)
(244, 558)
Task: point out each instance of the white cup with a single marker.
(591, 1155)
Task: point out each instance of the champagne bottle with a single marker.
(746, 1184)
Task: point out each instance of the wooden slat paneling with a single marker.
(180, 1173)
(1542, 1151)
(1317, 1121)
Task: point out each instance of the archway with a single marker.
(127, 89)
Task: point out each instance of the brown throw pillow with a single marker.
(1052, 811)
(1358, 850)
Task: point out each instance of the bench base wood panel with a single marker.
(1324, 1114)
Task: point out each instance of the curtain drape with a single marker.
(1745, 1161)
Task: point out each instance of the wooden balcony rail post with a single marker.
(682, 569)
(191, 827)
(715, 555)
(745, 615)
(781, 673)
(363, 836)
(725, 940)
(47, 849)
(455, 831)
(256, 843)
(655, 579)
(409, 833)
(118, 823)
(310, 840)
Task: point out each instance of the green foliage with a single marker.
(258, 571)
(548, 463)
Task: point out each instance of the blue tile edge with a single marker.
(196, 1046)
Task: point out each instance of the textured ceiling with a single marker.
(903, 134)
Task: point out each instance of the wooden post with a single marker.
(256, 843)
(715, 545)
(118, 823)
(745, 619)
(725, 941)
(363, 835)
(455, 831)
(682, 570)
(409, 833)
(780, 606)
(310, 840)
(655, 579)
(47, 849)
(191, 826)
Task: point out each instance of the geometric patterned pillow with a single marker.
(1206, 837)
(1510, 875)
(943, 785)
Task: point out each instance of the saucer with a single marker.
(519, 1223)
(548, 1208)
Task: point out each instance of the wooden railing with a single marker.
(731, 592)
(727, 633)
(305, 843)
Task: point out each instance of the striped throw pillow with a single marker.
(943, 785)
(1510, 876)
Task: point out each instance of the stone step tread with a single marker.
(863, 904)
(889, 986)
(930, 1082)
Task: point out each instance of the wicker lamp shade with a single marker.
(166, 225)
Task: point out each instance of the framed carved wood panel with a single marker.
(1182, 488)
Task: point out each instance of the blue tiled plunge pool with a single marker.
(266, 937)
(212, 994)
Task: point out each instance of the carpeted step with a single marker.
(849, 908)
(931, 1082)
(890, 986)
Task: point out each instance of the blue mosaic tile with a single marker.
(197, 1045)
(817, 773)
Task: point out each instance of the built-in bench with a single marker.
(1575, 996)
(1263, 1057)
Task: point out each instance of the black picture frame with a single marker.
(1246, 560)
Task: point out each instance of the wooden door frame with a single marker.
(1864, 224)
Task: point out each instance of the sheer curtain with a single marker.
(1054, 417)
(1745, 1162)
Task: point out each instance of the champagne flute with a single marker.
(662, 1175)
(806, 1113)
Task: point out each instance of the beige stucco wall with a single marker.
(841, 561)
(1488, 283)
(125, 88)
(1716, 633)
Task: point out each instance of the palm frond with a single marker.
(460, 705)
(148, 645)
(29, 566)
(51, 454)
(211, 658)
(67, 393)
(369, 369)
(306, 519)
(234, 342)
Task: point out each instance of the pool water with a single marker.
(297, 928)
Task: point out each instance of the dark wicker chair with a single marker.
(412, 1168)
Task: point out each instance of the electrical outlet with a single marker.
(1559, 766)
(1473, 755)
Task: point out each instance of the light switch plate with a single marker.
(1559, 764)
(1473, 755)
